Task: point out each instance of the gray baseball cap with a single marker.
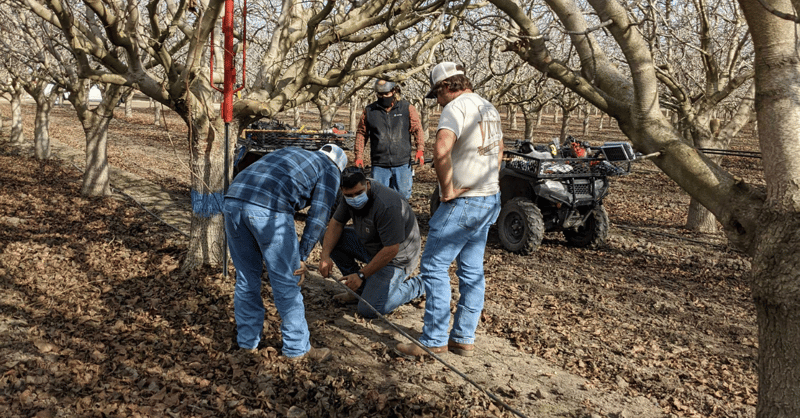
(383, 86)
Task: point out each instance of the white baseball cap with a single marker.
(335, 154)
(442, 71)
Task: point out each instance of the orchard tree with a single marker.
(762, 223)
(27, 58)
(160, 48)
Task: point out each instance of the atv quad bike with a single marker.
(552, 188)
(542, 192)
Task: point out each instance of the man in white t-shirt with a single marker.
(467, 155)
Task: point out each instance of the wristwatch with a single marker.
(360, 275)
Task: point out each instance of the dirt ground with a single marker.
(96, 318)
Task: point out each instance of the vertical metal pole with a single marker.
(224, 191)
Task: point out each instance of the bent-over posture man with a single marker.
(259, 224)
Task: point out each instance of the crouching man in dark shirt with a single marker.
(384, 235)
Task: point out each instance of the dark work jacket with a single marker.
(389, 136)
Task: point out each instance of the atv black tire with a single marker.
(435, 202)
(520, 226)
(593, 232)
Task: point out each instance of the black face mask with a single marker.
(386, 101)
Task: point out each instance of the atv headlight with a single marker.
(600, 187)
(554, 190)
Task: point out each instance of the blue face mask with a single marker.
(358, 201)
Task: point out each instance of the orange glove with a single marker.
(359, 162)
(419, 158)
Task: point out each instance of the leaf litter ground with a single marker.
(98, 320)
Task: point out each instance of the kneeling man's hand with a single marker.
(352, 281)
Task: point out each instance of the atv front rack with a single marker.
(557, 168)
(268, 140)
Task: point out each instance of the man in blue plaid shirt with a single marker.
(259, 223)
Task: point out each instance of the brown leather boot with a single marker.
(466, 350)
(410, 349)
(317, 355)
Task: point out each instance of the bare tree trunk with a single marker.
(41, 135)
(326, 114)
(296, 116)
(774, 282)
(95, 126)
(425, 119)
(699, 218)
(602, 119)
(207, 163)
(128, 99)
(529, 124)
(17, 133)
(555, 114)
(512, 114)
(355, 113)
(539, 117)
(586, 117)
(565, 125)
(157, 114)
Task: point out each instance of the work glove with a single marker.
(419, 158)
(359, 162)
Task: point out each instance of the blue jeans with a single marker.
(257, 235)
(458, 231)
(385, 290)
(397, 178)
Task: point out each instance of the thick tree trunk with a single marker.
(326, 114)
(41, 135)
(529, 124)
(95, 126)
(539, 117)
(207, 165)
(699, 218)
(17, 136)
(776, 292)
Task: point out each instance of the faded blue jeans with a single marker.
(385, 290)
(458, 231)
(258, 235)
(397, 178)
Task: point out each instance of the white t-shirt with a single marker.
(476, 124)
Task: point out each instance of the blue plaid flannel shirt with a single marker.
(287, 181)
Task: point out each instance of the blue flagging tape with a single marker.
(206, 205)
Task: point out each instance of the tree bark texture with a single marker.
(17, 136)
(95, 127)
(41, 139)
(776, 292)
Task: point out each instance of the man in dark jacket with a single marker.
(389, 124)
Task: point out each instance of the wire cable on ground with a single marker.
(427, 350)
